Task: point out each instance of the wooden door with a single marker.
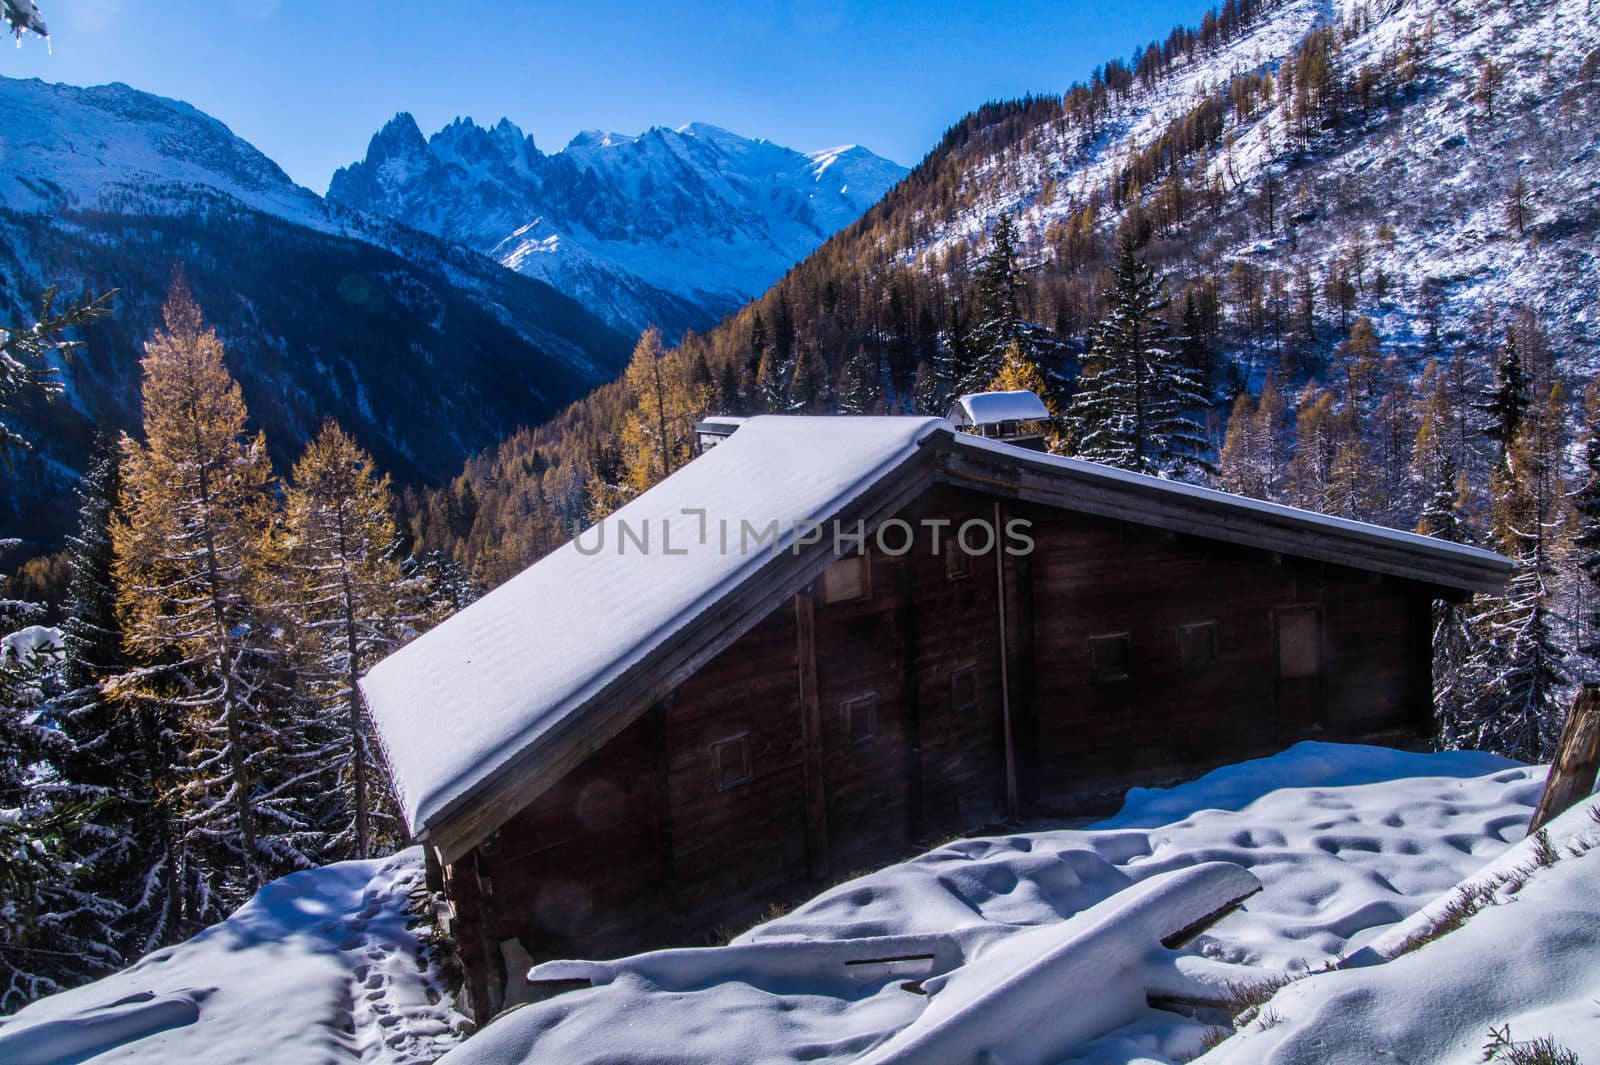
(1302, 654)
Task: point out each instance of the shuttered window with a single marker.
(861, 719)
(1110, 657)
(1197, 645)
(848, 579)
(732, 761)
(1299, 642)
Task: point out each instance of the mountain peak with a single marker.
(399, 135)
(599, 138)
(671, 226)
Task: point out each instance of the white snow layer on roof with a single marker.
(991, 408)
(471, 694)
(321, 966)
(1346, 840)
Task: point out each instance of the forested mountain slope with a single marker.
(426, 351)
(1290, 166)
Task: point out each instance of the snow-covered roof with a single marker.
(462, 700)
(991, 408)
(547, 666)
(1489, 567)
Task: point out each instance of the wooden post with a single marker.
(911, 715)
(1572, 772)
(1005, 667)
(667, 851)
(811, 736)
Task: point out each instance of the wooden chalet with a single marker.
(660, 729)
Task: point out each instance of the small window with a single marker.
(861, 718)
(957, 563)
(731, 758)
(964, 689)
(1299, 643)
(848, 579)
(1197, 645)
(1109, 657)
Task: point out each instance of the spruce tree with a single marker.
(54, 931)
(1455, 679)
(805, 387)
(1441, 510)
(1506, 402)
(998, 288)
(858, 393)
(1137, 406)
(1509, 697)
(194, 565)
(1510, 701)
(118, 747)
(351, 605)
(777, 372)
(25, 367)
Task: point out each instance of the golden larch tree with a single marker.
(192, 554)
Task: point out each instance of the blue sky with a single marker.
(310, 82)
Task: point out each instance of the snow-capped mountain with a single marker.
(671, 227)
(425, 350)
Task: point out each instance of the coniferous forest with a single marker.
(188, 726)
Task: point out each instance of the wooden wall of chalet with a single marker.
(1364, 670)
(835, 735)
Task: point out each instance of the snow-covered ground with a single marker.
(1345, 841)
(320, 966)
(1037, 948)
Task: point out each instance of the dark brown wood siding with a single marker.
(1095, 578)
(833, 736)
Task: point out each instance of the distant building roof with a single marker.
(514, 690)
(991, 408)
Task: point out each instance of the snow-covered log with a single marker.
(1032, 998)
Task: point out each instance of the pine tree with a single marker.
(1441, 511)
(351, 605)
(1454, 678)
(53, 932)
(805, 387)
(1238, 470)
(1510, 692)
(1506, 402)
(773, 381)
(25, 370)
(1137, 406)
(998, 288)
(858, 393)
(1510, 698)
(447, 588)
(193, 564)
(117, 748)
